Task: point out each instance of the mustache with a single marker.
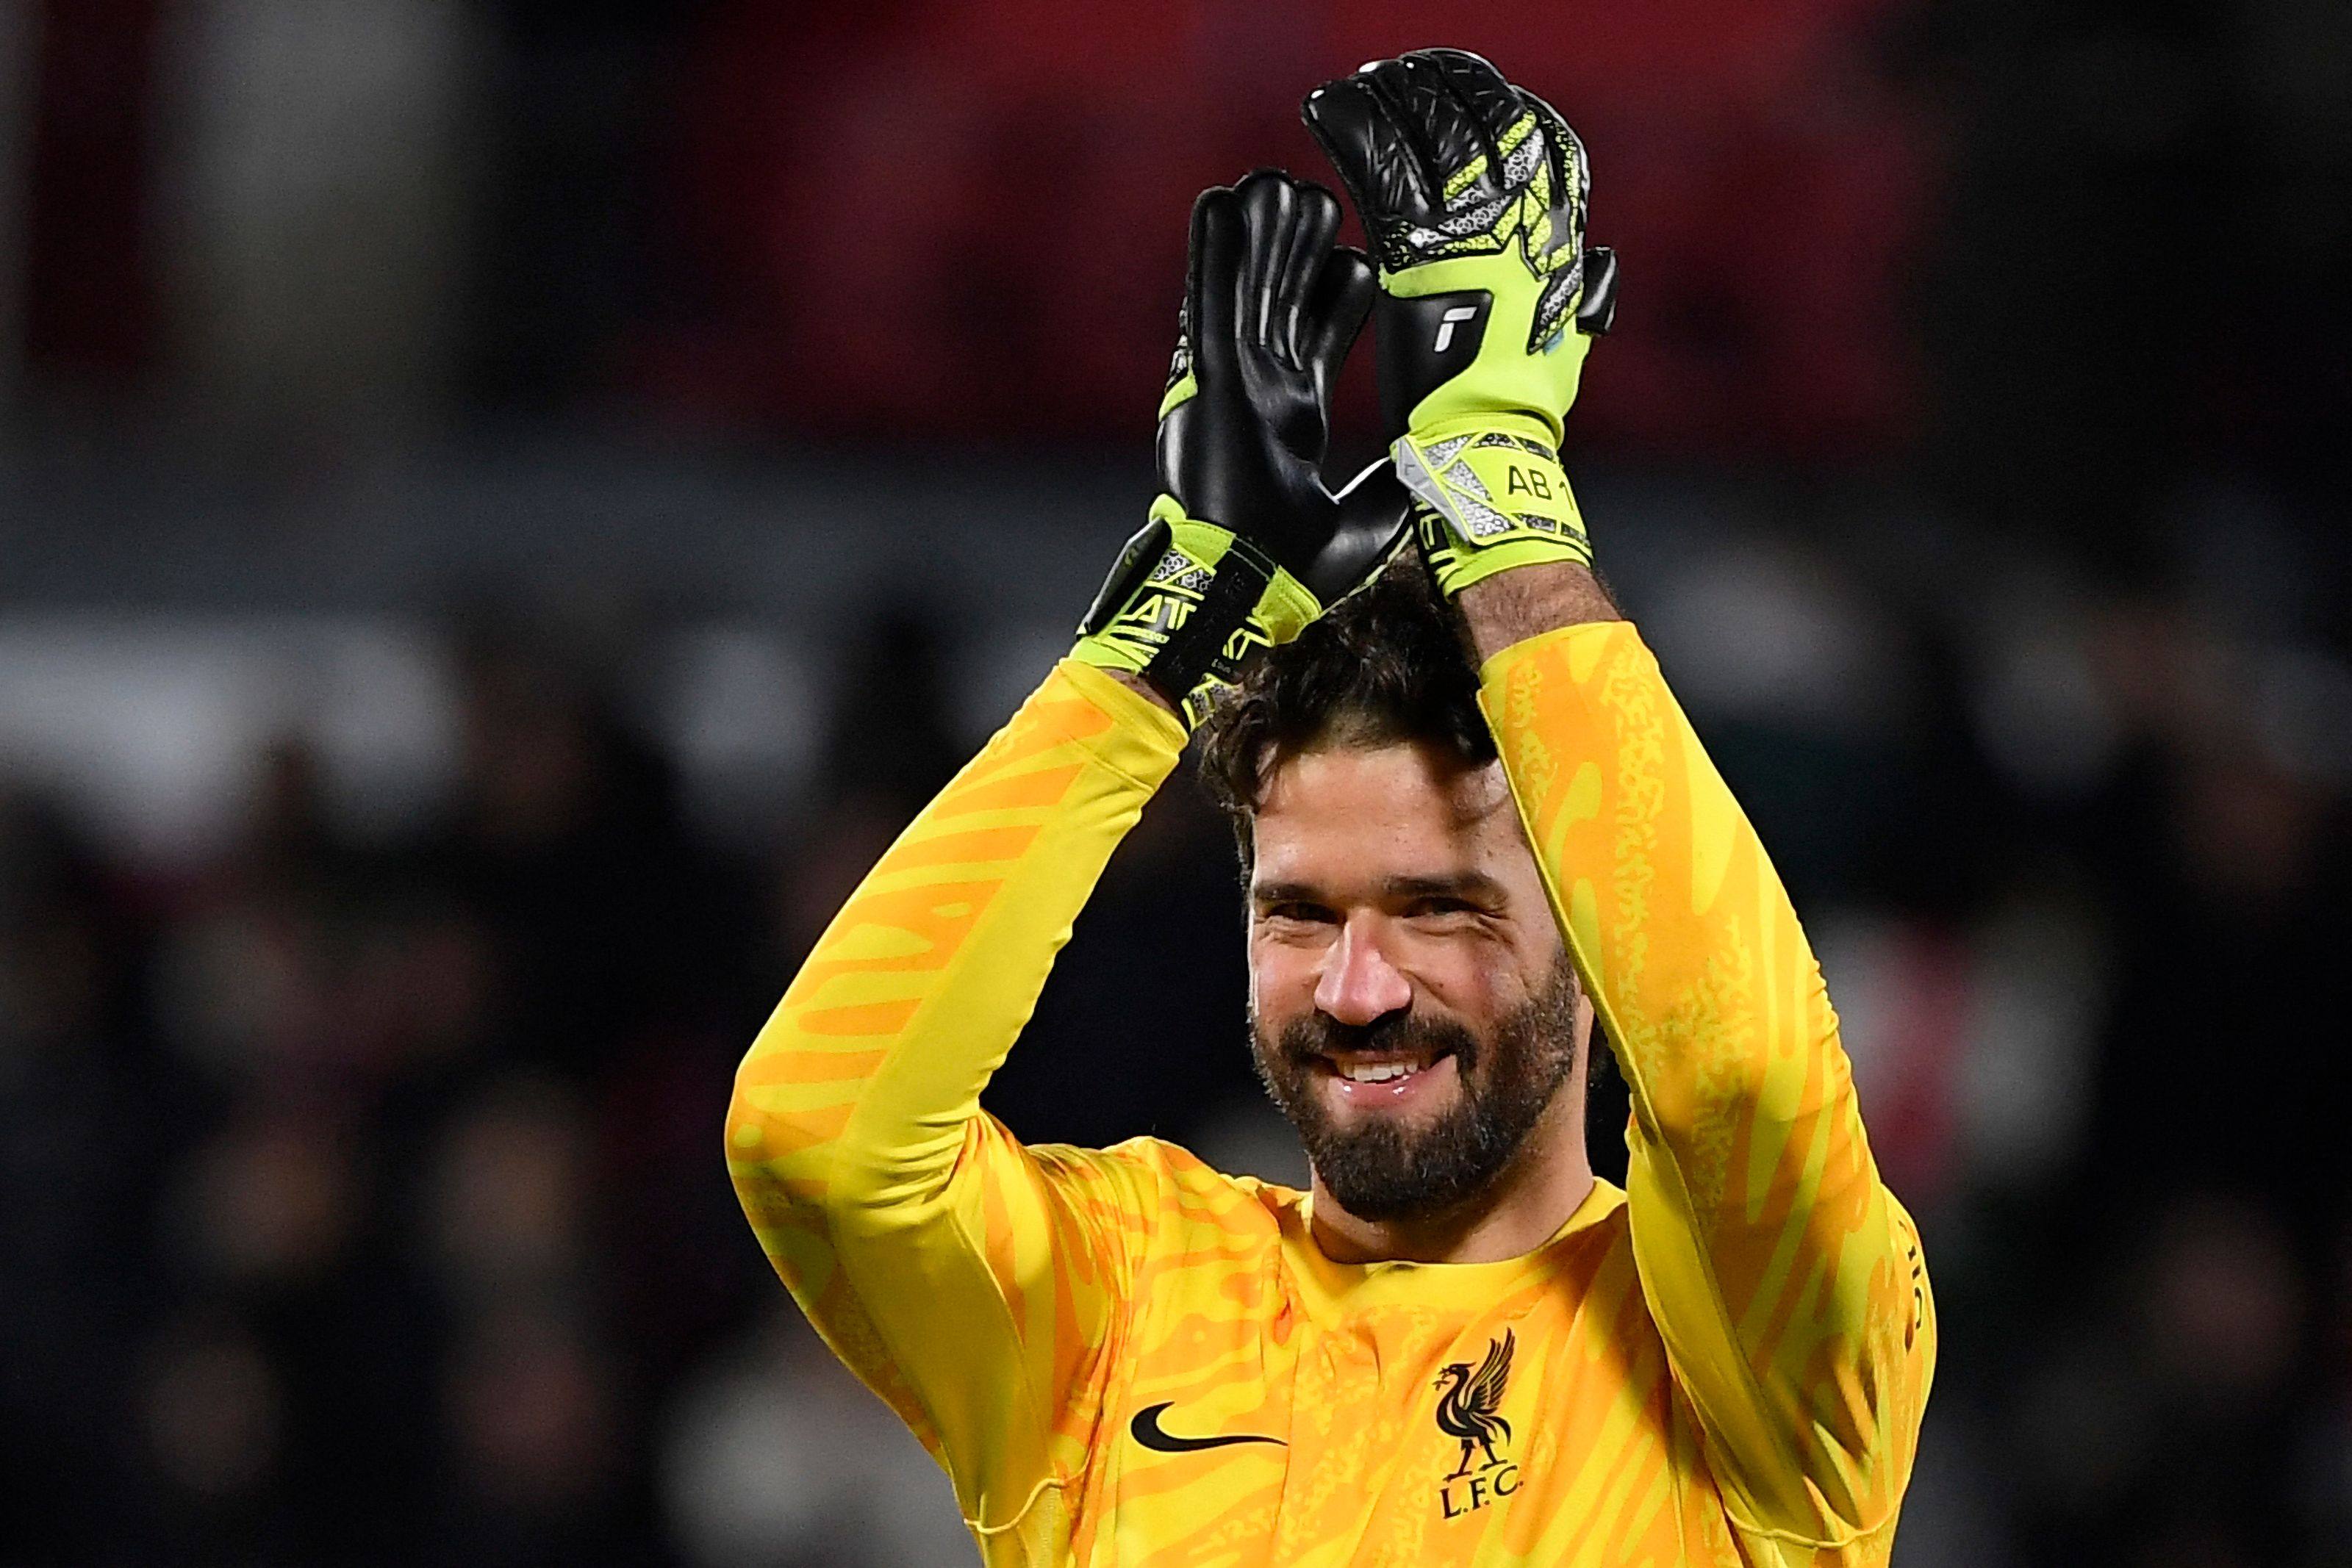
(1320, 1035)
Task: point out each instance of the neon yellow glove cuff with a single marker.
(1186, 618)
(1493, 497)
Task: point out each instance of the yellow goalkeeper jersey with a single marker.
(1122, 1356)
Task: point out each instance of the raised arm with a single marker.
(1785, 1278)
(967, 1280)
(972, 1282)
(1786, 1281)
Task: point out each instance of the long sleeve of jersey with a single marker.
(970, 1280)
(1785, 1280)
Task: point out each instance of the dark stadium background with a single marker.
(505, 507)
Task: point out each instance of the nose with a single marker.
(1359, 984)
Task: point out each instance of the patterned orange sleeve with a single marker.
(970, 1282)
(1785, 1278)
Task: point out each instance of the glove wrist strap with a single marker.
(1492, 499)
(1186, 604)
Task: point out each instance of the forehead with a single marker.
(1403, 806)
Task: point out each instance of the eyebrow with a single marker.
(1468, 884)
(1475, 884)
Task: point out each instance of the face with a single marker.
(1412, 1008)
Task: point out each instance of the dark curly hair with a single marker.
(1383, 665)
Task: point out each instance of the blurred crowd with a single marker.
(1969, 446)
(367, 1202)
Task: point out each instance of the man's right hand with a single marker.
(1245, 544)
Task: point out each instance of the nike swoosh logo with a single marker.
(1147, 1431)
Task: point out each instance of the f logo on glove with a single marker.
(1446, 326)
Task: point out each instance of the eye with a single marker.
(1441, 911)
(1293, 911)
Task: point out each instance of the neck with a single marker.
(1524, 1206)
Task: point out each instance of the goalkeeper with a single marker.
(1459, 1346)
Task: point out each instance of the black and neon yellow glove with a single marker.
(1474, 193)
(1246, 544)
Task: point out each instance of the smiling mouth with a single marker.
(1381, 1067)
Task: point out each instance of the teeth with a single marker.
(1378, 1072)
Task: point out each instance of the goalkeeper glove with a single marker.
(1245, 545)
(1473, 192)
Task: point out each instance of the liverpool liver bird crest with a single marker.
(1467, 1407)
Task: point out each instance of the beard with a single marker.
(1381, 1167)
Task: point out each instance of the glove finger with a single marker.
(1564, 185)
(1384, 172)
(1416, 102)
(1446, 124)
(1317, 222)
(1268, 213)
(1493, 105)
(1573, 176)
(1214, 279)
(1596, 310)
(1342, 298)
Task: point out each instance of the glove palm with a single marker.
(1245, 544)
